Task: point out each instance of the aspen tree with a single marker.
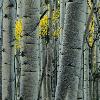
(71, 60)
(1, 48)
(49, 52)
(29, 56)
(8, 75)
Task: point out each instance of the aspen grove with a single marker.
(49, 49)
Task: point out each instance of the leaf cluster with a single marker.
(44, 24)
(18, 31)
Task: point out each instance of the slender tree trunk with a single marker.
(69, 71)
(43, 63)
(84, 75)
(17, 53)
(62, 16)
(13, 18)
(98, 67)
(29, 56)
(94, 72)
(86, 72)
(55, 43)
(48, 73)
(98, 53)
(49, 53)
(80, 86)
(1, 49)
(86, 93)
(19, 9)
(8, 76)
(43, 54)
(90, 75)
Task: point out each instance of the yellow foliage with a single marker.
(18, 31)
(43, 25)
(44, 21)
(91, 39)
(91, 26)
(56, 15)
(89, 4)
(56, 33)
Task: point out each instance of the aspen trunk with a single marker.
(98, 67)
(71, 60)
(17, 54)
(86, 72)
(49, 53)
(8, 75)
(1, 49)
(29, 56)
(98, 55)
(55, 43)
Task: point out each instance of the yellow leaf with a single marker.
(18, 31)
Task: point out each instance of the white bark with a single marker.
(17, 54)
(62, 13)
(86, 65)
(19, 8)
(43, 55)
(86, 72)
(1, 49)
(80, 86)
(8, 76)
(62, 16)
(29, 58)
(69, 71)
